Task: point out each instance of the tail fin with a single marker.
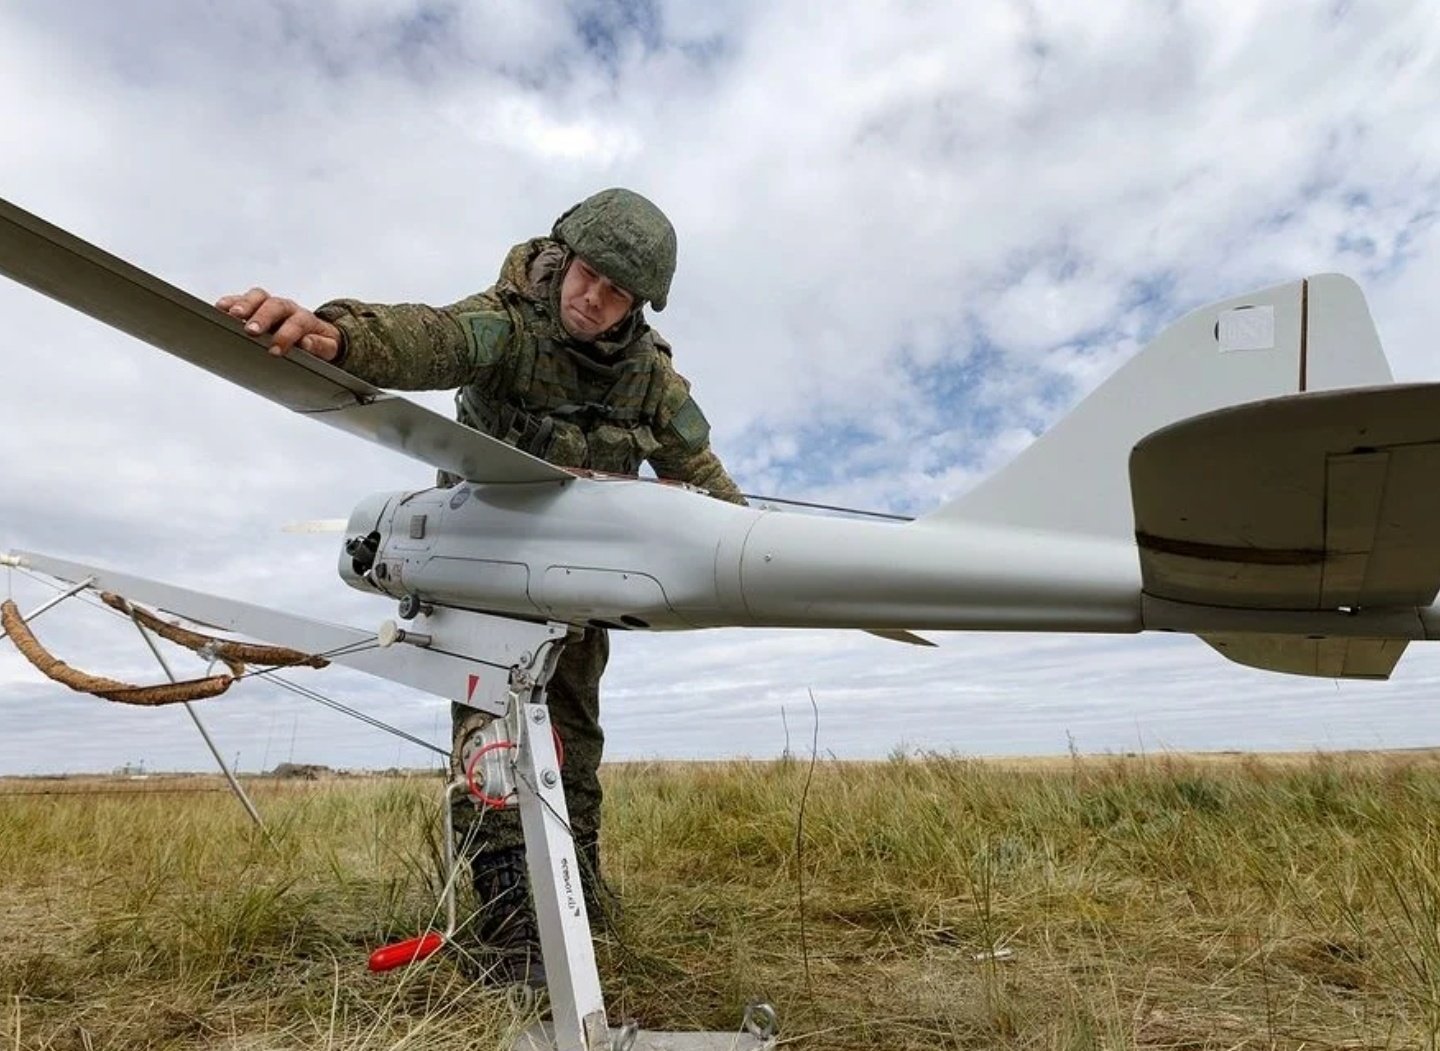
(1314, 334)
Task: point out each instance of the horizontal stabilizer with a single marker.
(1313, 502)
(469, 659)
(1330, 658)
(65, 268)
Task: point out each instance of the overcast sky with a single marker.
(912, 236)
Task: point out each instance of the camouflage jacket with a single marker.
(608, 405)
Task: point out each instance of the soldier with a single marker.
(557, 359)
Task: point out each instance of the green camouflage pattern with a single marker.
(625, 237)
(607, 405)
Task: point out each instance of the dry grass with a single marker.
(1136, 902)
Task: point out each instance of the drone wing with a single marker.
(469, 657)
(76, 273)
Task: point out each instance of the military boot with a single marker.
(505, 919)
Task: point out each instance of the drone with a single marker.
(1253, 477)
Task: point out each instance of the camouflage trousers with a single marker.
(574, 702)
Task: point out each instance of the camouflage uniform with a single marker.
(609, 405)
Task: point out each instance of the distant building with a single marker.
(301, 771)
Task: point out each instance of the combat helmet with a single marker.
(625, 237)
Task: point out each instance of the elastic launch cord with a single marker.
(235, 655)
(109, 689)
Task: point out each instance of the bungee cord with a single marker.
(232, 653)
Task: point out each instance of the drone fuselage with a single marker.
(633, 553)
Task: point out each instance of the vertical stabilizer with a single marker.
(1314, 334)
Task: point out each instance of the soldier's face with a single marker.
(590, 303)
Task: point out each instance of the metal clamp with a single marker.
(623, 1039)
(761, 1021)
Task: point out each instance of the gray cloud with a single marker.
(911, 237)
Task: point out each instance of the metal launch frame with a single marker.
(515, 754)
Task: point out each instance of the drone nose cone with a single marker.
(364, 536)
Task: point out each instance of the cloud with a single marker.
(911, 238)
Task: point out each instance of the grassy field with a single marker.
(1088, 903)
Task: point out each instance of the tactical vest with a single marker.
(553, 400)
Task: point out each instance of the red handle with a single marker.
(411, 950)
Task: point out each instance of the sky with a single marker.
(912, 237)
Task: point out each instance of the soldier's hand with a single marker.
(289, 324)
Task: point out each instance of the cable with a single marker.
(477, 792)
(829, 507)
(338, 651)
(303, 691)
(320, 698)
(548, 805)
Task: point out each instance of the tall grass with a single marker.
(1112, 903)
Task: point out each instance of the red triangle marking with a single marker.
(470, 690)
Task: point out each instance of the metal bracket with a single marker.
(68, 593)
(573, 982)
(576, 1003)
